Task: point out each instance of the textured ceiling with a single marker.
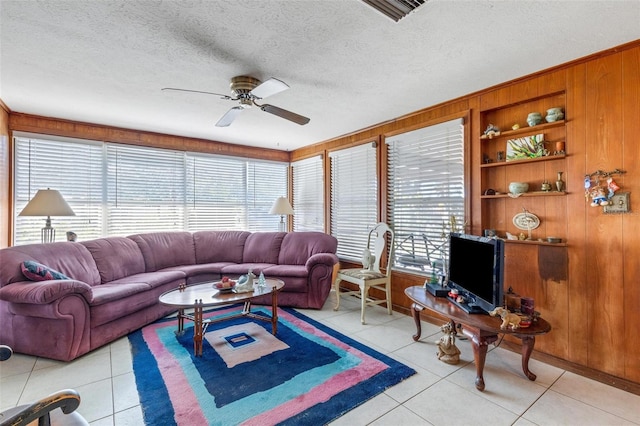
(348, 66)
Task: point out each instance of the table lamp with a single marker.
(282, 207)
(47, 202)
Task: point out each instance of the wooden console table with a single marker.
(482, 330)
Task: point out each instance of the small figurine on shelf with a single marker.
(491, 131)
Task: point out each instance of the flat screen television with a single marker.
(476, 270)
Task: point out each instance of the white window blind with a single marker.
(74, 169)
(354, 198)
(215, 188)
(263, 187)
(122, 190)
(308, 194)
(145, 190)
(426, 189)
(226, 193)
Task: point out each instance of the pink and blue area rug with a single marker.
(308, 374)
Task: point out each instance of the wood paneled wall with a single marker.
(590, 290)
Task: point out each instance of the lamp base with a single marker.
(282, 226)
(48, 233)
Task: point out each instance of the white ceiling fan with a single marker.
(247, 90)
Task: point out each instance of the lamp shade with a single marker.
(281, 206)
(47, 202)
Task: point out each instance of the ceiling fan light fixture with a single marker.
(246, 102)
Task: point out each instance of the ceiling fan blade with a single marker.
(230, 115)
(269, 87)
(288, 115)
(197, 91)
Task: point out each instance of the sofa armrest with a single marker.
(320, 268)
(43, 292)
(328, 259)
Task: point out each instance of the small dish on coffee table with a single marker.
(224, 286)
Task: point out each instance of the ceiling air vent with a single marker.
(395, 9)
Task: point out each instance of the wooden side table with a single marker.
(482, 330)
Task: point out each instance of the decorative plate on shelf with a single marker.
(526, 221)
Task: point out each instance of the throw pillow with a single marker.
(38, 272)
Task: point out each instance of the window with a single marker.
(354, 198)
(72, 167)
(308, 195)
(214, 193)
(119, 189)
(265, 182)
(145, 190)
(228, 193)
(426, 190)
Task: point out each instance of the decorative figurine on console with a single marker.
(447, 350)
(508, 319)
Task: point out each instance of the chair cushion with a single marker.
(359, 274)
(35, 271)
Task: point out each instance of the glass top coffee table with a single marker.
(204, 295)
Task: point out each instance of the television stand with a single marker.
(469, 308)
(482, 330)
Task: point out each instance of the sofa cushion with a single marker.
(298, 247)
(109, 292)
(165, 249)
(152, 279)
(263, 247)
(115, 301)
(219, 246)
(243, 268)
(71, 259)
(201, 269)
(116, 257)
(35, 271)
(299, 271)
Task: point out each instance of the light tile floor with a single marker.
(440, 394)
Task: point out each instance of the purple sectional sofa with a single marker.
(114, 283)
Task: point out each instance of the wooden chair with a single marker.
(380, 236)
(44, 411)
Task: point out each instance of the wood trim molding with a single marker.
(74, 129)
(4, 107)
